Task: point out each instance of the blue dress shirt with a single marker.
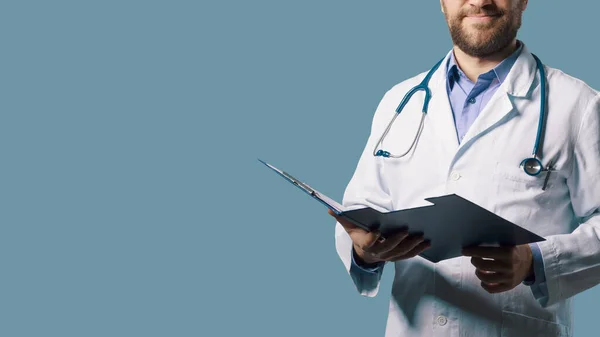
(467, 100)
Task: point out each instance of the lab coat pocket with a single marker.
(515, 177)
(517, 196)
(511, 181)
(515, 324)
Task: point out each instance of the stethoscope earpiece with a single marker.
(382, 153)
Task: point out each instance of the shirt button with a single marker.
(472, 100)
(455, 176)
(441, 320)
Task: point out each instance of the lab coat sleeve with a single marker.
(572, 261)
(367, 277)
(538, 285)
(365, 189)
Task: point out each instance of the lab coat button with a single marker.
(441, 320)
(455, 176)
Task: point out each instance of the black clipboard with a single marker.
(450, 223)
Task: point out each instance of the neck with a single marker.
(474, 66)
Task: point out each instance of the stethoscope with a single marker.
(532, 166)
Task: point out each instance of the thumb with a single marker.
(345, 223)
(362, 238)
(359, 236)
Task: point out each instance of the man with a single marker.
(482, 122)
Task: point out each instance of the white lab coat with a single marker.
(446, 299)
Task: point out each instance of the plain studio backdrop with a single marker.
(132, 200)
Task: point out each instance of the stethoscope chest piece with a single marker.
(532, 166)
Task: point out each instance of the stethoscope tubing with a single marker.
(532, 166)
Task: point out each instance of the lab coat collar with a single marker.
(517, 84)
(440, 112)
(520, 78)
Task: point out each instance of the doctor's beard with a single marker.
(485, 39)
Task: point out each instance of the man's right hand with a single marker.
(370, 250)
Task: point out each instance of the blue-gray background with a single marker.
(132, 201)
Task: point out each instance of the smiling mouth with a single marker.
(483, 16)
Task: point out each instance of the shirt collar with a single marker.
(500, 71)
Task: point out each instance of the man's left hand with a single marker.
(501, 268)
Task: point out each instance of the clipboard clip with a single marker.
(303, 186)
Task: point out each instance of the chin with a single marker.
(479, 39)
(479, 27)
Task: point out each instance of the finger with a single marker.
(414, 252)
(390, 243)
(496, 288)
(497, 253)
(489, 277)
(404, 247)
(491, 265)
